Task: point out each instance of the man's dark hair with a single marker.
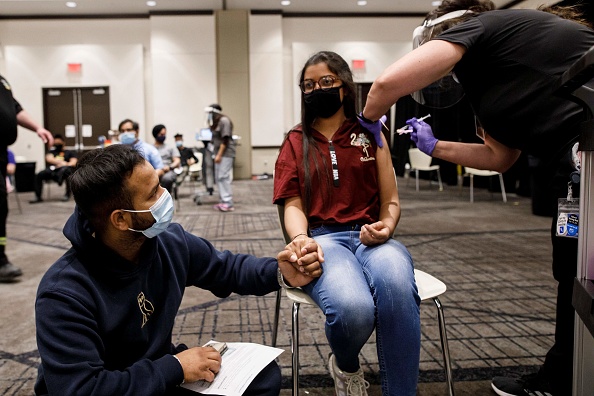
(178, 135)
(134, 124)
(98, 183)
(157, 128)
(58, 136)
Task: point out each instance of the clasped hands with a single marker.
(301, 261)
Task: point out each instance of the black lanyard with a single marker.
(334, 164)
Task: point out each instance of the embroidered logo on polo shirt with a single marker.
(362, 141)
(146, 308)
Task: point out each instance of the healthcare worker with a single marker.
(507, 63)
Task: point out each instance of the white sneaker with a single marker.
(347, 384)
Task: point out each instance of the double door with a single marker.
(80, 115)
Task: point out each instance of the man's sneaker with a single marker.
(223, 207)
(36, 200)
(347, 384)
(527, 385)
(9, 272)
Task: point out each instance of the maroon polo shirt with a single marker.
(353, 195)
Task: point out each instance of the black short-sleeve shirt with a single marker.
(509, 72)
(9, 108)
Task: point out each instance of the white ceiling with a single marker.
(14, 8)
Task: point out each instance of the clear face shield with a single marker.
(209, 115)
(446, 91)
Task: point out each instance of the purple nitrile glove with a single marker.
(422, 135)
(374, 127)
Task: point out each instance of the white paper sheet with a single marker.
(242, 362)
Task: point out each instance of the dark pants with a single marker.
(558, 365)
(3, 200)
(267, 383)
(59, 175)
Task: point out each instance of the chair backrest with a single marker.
(196, 167)
(418, 159)
(24, 176)
(479, 172)
(281, 218)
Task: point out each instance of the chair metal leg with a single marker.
(295, 348)
(502, 188)
(417, 178)
(471, 188)
(439, 179)
(176, 197)
(444, 346)
(276, 317)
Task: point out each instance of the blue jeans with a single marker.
(364, 288)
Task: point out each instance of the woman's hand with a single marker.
(374, 234)
(301, 261)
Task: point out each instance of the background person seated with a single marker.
(187, 155)
(169, 155)
(60, 164)
(129, 135)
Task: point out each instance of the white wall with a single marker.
(32, 68)
(266, 76)
(163, 69)
(34, 54)
(184, 71)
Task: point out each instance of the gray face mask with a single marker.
(162, 212)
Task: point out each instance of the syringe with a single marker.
(407, 128)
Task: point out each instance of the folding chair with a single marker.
(479, 172)
(429, 288)
(420, 161)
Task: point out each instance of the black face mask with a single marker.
(322, 103)
(58, 147)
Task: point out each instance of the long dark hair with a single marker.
(340, 67)
(573, 13)
(447, 6)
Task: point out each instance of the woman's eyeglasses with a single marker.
(325, 83)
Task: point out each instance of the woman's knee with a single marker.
(352, 311)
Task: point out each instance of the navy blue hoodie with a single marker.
(104, 324)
